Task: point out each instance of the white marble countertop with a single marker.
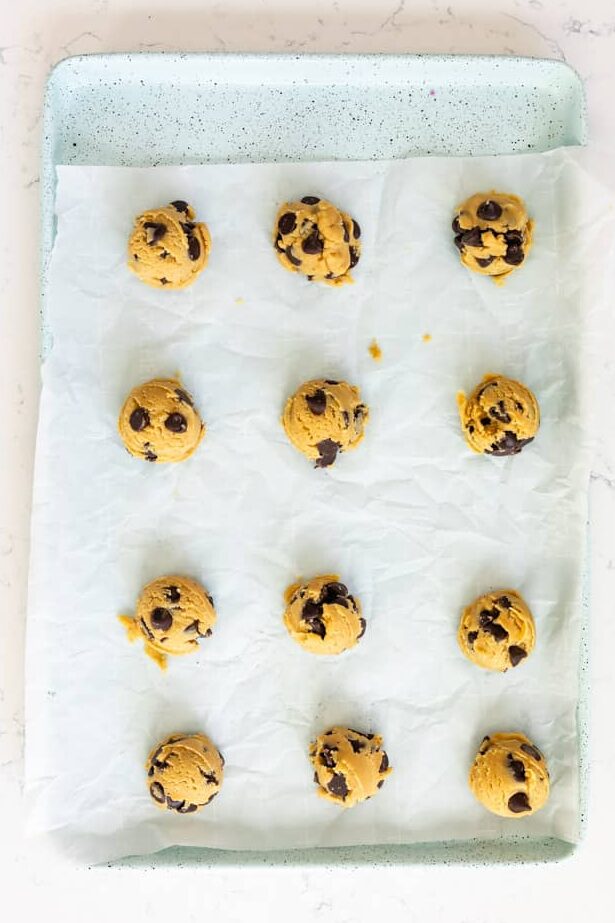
(34, 35)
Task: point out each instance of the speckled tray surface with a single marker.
(150, 109)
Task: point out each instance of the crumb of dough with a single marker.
(375, 351)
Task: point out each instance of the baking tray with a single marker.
(150, 109)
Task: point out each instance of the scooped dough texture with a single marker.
(349, 766)
(324, 417)
(509, 775)
(497, 630)
(315, 238)
(493, 233)
(500, 416)
(167, 248)
(160, 423)
(184, 773)
(172, 614)
(322, 617)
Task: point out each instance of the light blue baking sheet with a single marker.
(151, 109)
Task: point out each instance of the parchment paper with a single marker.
(413, 521)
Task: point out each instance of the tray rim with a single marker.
(514, 849)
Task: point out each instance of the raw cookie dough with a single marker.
(500, 416)
(349, 766)
(184, 773)
(173, 613)
(509, 775)
(159, 422)
(167, 248)
(315, 238)
(324, 417)
(493, 233)
(322, 616)
(497, 630)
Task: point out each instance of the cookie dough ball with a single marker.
(172, 614)
(184, 773)
(167, 248)
(509, 775)
(497, 631)
(160, 423)
(315, 238)
(324, 417)
(349, 766)
(500, 416)
(493, 233)
(322, 616)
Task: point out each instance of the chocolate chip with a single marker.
(346, 417)
(330, 591)
(187, 227)
(330, 276)
(504, 602)
(472, 238)
(176, 423)
(384, 762)
(316, 626)
(173, 805)
(291, 256)
(496, 631)
(471, 428)
(532, 751)
(313, 244)
(139, 419)
(164, 254)
(517, 768)
(180, 206)
(287, 223)
(380, 784)
(329, 381)
(516, 654)
(489, 210)
(210, 777)
(211, 797)
(278, 243)
(356, 229)
(187, 809)
(359, 733)
(317, 402)
(509, 444)
(184, 397)
(172, 594)
(316, 778)
(310, 200)
(359, 412)
(147, 630)
(487, 616)
(326, 757)
(487, 261)
(518, 803)
(456, 226)
(194, 248)
(310, 278)
(357, 745)
(485, 421)
(337, 786)
(458, 241)
(311, 610)
(363, 624)
(135, 257)
(514, 255)
(519, 406)
(192, 627)
(472, 636)
(328, 452)
(210, 598)
(154, 231)
(514, 237)
(157, 792)
(354, 256)
(161, 618)
(163, 281)
(346, 235)
(150, 456)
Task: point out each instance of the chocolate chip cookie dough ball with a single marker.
(167, 248)
(349, 766)
(509, 775)
(324, 417)
(315, 238)
(493, 233)
(160, 423)
(497, 631)
(184, 773)
(500, 416)
(322, 616)
(173, 614)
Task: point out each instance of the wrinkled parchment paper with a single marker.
(413, 521)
